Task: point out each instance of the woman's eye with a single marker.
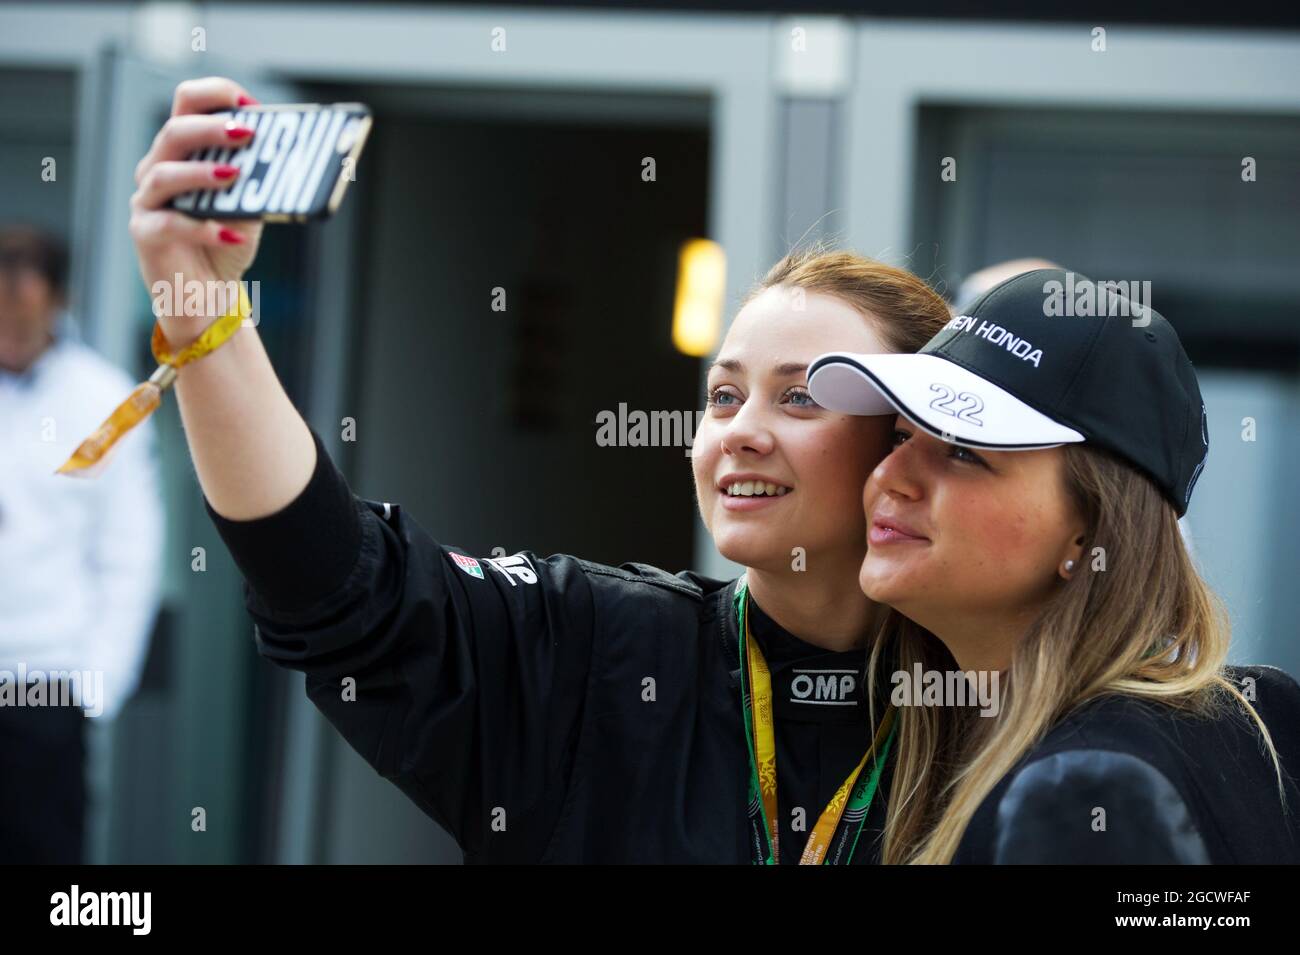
(801, 398)
(966, 454)
(716, 398)
(900, 436)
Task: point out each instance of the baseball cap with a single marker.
(1045, 358)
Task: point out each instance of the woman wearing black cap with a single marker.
(552, 709)
(1025, 528)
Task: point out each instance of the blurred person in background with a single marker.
(979, 282)
(79, 560)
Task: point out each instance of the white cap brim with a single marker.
(949, 401)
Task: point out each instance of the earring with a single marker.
(1069, 566)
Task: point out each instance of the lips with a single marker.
(890, 530)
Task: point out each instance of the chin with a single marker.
(878, 582)
(748, 548)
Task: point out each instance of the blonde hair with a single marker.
(910, 313)
(1093, 638)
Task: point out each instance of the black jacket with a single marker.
(556, 710)
(545, 709)
(1127, 780)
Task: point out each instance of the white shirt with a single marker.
(79, 558)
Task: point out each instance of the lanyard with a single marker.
(850, 801)
(90, 458)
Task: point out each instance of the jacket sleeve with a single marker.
(1093, 806)
(462, 680)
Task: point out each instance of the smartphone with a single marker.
(296, 167)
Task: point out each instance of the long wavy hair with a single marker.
(1136, 619)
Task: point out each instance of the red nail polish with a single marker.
(225, 172)
(236, 131)
(246, 100)
(231, 236)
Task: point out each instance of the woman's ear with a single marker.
(1072, 557)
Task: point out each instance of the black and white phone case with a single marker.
(295, 168)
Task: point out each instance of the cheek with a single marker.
(1004, 538)
(838, 461)
(704, 453)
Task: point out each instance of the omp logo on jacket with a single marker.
(824, 687)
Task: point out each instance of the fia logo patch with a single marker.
(469, 565)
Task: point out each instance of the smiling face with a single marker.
(773, 470)
(959, 538)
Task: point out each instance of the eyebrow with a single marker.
(784, 369)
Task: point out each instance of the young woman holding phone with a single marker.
(552, 709)
(1026, 525)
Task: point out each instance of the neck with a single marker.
(827, 611)
(978, 642)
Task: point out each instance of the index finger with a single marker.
(208, 94)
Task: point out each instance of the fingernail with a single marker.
(246, 100)
(231, 236)
(225, 172)
(236, 131)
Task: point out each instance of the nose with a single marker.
(899, 474)
(748, 430)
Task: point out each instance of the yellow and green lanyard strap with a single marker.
(851, 800)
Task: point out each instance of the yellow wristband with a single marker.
(213, 337)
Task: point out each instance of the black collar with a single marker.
(809, 683)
